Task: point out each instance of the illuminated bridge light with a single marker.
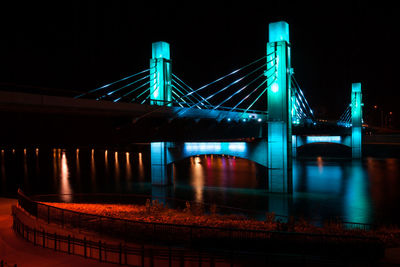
(214, 147)
(203, 147)
(324, 139)
(237, 147)
(275, 88)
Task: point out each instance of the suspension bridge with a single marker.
(263, 94)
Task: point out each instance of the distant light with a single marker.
(259, 120)
(229, 119)
(390, 113)
(375, 107)
(244, 120)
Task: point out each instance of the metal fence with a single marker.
(180, 204)
(222, 242)
(121, 254)
(206, 238)
(147, 255)
(167, 234)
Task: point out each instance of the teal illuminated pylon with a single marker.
(279, 109)
(356, 120)
(160, 75)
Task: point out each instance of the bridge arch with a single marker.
(252, 151)
(164, 153)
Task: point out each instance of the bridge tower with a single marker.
(160, 75)
(279, 109)
(356, 120)
(161, 95)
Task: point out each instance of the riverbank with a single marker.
(15, 250)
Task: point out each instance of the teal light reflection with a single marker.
(357, 202)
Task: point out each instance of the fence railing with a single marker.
(180, 204)
(148, 255)
(140, 255)
(179, 235)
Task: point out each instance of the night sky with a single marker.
(80, 45)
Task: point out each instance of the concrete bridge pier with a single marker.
(159, 163)
(161, 95)
(279, 109)
(356, 120)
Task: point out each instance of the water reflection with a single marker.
(141, 168)
(117, 172)
(65, 188)
(3, 172)
(357, 203)
(92, 168)
(25, 168)
(77, 164)
(128, 166)
(197, 178)
(361, 191)
(106, 160)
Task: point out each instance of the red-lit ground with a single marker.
(164, 215)
(15, 250)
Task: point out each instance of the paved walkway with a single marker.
(15, 250)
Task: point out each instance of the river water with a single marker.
(365, 191)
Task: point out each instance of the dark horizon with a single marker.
(80, 46)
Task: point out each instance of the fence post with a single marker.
(48, 214)
(142, 255)
(100, 250)
(62, 218)
(120, 253)
(182, 259)
(191, 235)
(84, 247)
(55, 241)
(1, 263)
(212, 261)
(69, 244)
(169, 257)
(125, 255)
(199, 258)
(151, 257)
(34, 236)
(44, 239)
